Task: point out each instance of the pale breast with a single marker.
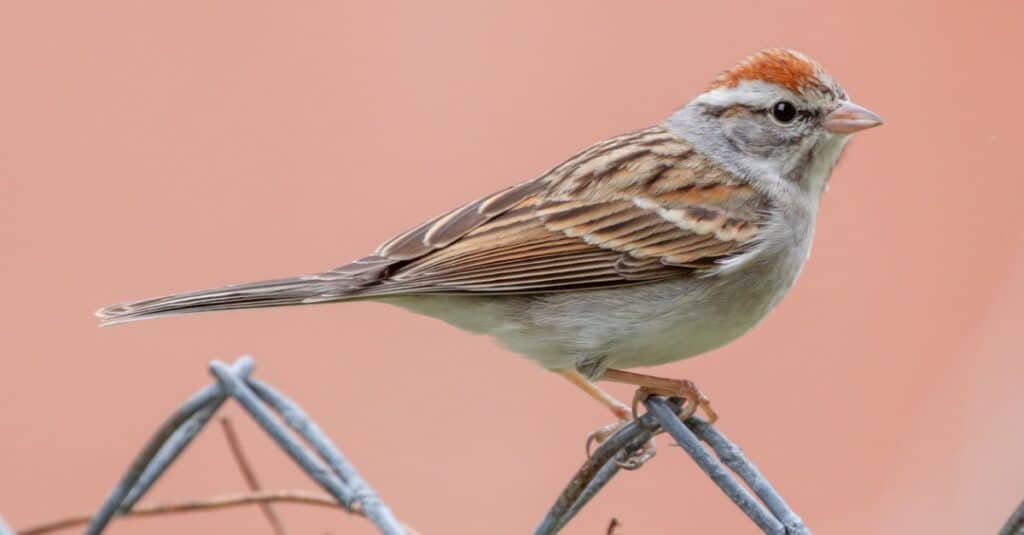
(708, 312)
(668, 321)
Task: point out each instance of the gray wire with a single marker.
(1015, 524)
(593, 475)
(374, 509)
(339, 477)
(715, 470)
(773, 517)
(733, 457)
(279, 433)
(170, 451)
(165, 433)
(335, 473)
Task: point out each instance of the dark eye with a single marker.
(784, 111)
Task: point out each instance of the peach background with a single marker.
(147, 148)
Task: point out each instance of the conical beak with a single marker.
(849, 118)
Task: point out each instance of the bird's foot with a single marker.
(686, 389)
(636, 459)
(622, 413)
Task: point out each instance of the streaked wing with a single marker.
(639, 207)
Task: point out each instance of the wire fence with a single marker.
(302, 440)
(768, 510)
(276, 414)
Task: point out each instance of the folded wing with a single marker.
(639, 207)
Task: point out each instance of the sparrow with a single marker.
(643, 249)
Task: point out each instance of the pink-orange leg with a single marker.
(660, 386)
(623, 416)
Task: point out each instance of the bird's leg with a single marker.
(623, 416)
(618, 408)
(660, 386)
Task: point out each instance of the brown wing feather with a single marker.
(640, 207)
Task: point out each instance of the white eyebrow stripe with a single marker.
(755, 94)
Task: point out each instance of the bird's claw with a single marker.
(635, 460)
(599, 435)
(686, 389)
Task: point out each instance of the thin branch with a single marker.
(613, 527)
(250, 476)
(207, 504)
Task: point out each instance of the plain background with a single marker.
(147, 148)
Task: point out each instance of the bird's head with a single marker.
(775, 114)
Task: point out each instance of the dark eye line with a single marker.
(801, 113)
(719, 111)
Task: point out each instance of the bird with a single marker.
(642, 249)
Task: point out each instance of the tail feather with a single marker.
(271, 293)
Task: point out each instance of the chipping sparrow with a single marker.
(643, 249)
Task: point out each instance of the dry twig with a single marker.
(206, 504)
(249, 474)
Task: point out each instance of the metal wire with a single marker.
(730, 454)
(329, 468)
(770, 514)
(718, 473)
(167, 434)
(756, 496)
(1015, 524)
(596, 472)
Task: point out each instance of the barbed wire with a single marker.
(752, 493)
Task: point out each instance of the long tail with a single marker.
(271, 293)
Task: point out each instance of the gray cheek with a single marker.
(754, 138)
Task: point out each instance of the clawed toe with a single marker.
(599, 435)
(694, 399)
(635, 460)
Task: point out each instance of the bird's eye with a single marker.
(784, 111)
